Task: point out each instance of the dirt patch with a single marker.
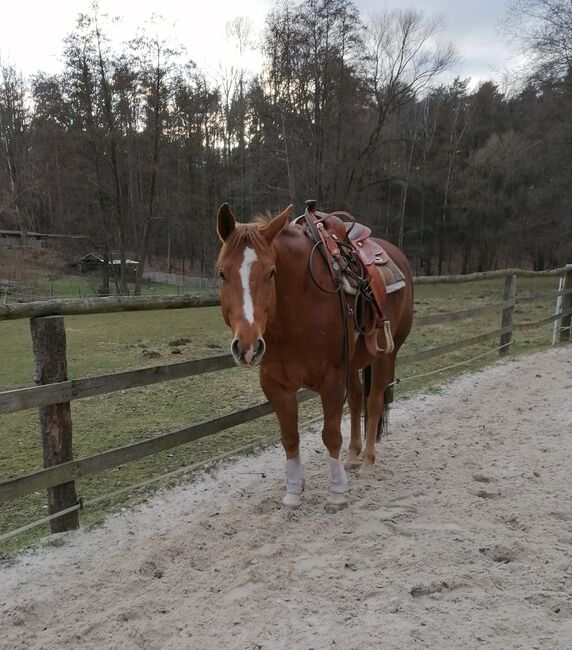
(420, 558)
(183, 340)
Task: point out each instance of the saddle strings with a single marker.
(318, 245)
(346, 310)
(364, 297)
(354, 270)
(363, 300)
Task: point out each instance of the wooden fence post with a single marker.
(565, 329)
(50, 366)
(507, 314)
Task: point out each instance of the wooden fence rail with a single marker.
(69, 471)
(488, 275)
(53, 398)
(430, 353)
(542, 295)
(549, 319)
(463, 314)
(72, 389)
(97, 305)
(111, 304)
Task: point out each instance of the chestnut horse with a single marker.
(283, 321)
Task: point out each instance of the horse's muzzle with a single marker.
(250, 356)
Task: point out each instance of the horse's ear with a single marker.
(274, 226)
(225, 222)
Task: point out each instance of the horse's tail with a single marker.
(383, 424)
(366, 391)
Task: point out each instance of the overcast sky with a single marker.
(31, 31)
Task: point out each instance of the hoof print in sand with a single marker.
(433, 588)
(500, 553)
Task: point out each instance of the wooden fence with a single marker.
(54, 391)
(194, 281)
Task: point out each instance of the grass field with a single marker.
(105, 343)
(74, 285)
(42, 274)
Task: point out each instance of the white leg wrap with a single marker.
(338, 478)
(294, 476)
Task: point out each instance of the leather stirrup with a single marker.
(371, 341)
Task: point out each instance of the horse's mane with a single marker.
(245, 233)
(263, 218)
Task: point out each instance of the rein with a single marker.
(339, 256)
(315, 231)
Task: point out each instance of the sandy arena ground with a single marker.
(461, 539)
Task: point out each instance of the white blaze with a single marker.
(248, 305)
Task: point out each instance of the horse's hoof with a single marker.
(352, 461)
(292, 501)
(367, 469)
(336, 502)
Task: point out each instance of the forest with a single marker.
(135, 147)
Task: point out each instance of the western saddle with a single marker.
(359, 265)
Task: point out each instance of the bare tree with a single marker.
(403, 60)
(157, 64)
(105, 68)
(239, 29)
(126, 138)
(13, 146)
(458, 127)
(544, 28)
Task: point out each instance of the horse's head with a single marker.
(247, 265)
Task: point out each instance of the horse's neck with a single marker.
(299, 300)
(292, 249)
(304, 312)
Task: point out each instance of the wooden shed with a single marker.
(93, 263)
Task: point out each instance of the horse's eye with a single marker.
(271, 274)
(222, 275)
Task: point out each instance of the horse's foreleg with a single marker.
(355, 402)
(286, 406)
(332, 404)
(382, 372)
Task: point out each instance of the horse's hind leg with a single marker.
(332, 404)
(286, 406)
(355, 402)
(382, 373)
